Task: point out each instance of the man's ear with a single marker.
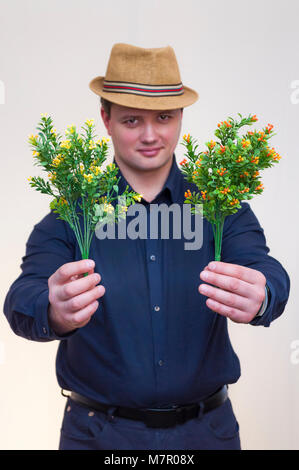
(106, 120)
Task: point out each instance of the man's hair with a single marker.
(106, 105)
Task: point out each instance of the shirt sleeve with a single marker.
(49, 246)
(244, 243)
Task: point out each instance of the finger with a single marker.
(231, 284)
(82, 300)
(228, 299)
(234, 314)
(234, 270)
(82, 317)
(78, 286)
(66, 271)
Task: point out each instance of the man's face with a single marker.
(143, 139)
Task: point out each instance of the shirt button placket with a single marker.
(154, 256)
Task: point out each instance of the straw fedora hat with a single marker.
(143, 78)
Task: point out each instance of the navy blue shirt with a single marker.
(153, 341)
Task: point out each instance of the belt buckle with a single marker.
(154, 419)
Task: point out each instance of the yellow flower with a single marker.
(56, 161)
(108, 208)
(30, 178)
(70, 129)
(97, 170)
(92, 145)
(44, 114)
(89, 122)
(138, 197)
(110, 166)
(52, 176)
(32, 139)
(65, 144)
(88, 177)
(35, 153)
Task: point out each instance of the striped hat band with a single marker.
(142, 89)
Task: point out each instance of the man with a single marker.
(146, 355)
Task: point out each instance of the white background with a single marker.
(240, 57)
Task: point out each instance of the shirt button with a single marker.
(153, 258)
(44, 330)
(156, 308)
(160, 363)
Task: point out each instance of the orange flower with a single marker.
(203, 193)
(271, 152)
(222, 171)
(254, 118)
(262, 136)
(188, 193)
(222, 148)
(183, 162)
(245, 190)
(269, 128)
(234, 201)
(260, 186)
(212, 144)
(245, 143)
(225, 191)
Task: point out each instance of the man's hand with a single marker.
(73, 297)
(240, 292)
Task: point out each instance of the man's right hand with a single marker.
(72, 296)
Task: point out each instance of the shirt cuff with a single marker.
(44, 331)
(264, 304)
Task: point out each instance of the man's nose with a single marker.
(149, 133)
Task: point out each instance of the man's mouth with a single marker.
(149, 152)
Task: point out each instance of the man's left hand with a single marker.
(240, 292)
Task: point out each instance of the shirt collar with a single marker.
(174, 182)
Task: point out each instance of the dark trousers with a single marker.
(84, 428)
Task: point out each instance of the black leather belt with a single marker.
(159, 417)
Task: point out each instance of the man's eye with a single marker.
(164, 117)
(131, 121)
